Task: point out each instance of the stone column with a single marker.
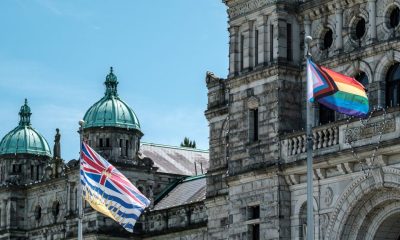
(263, 41)
(7, 213)
(281, 40)
(307, 30)
(3, 214)
(233, 50)
(372, 20)
(68, 197)
(245, 55)
(339, 27)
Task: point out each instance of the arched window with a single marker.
(393, 86)
(55, 209)
(326, 115)
(303, 222)
(362, 78)
(394, 17)
(38, 212)
(360, 28)
(328, 39)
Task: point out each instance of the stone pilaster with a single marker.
(307, 30)
(251, 53)
(339, 27)
(3, 214)
(372, 19)
(263, 41)
(233, 50)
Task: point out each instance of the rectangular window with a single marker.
(32, 167)
(253, 212)
(127, 147)
(120, 146)
(241, 52)
(255, 231)
(37, 172)
(326, 115)
(107, 142)
(289, 42)
(271, 43)
(256, 48)
(101, 142)
(253, 125)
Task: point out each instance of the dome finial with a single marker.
(25, 114)
(111, 83)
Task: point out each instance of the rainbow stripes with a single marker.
(336, 91)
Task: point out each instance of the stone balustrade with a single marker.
(323, 137)
(342, 135)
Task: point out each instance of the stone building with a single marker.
(255, 184)
(38, 190)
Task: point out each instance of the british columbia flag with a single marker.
(108, 191)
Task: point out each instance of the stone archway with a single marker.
(389, 228)
(368, 207)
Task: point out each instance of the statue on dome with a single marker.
(57, 147)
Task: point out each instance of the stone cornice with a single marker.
(239, 8)
(263, 73)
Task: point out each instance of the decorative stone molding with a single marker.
(370, 130)
(380, 178)
(360, 66)
(243, 8)
(384, 63)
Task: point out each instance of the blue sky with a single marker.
(57, 54)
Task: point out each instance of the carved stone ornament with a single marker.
(243, 8)
(370, 130)
(252, 102)
(328, 196)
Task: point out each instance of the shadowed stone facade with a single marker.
(256, 184)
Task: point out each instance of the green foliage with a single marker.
(188, 143)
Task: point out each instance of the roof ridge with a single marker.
(174, 147)
(192, 178)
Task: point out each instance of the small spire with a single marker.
(25, 114)
(111, 83)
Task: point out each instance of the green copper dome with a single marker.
(24, 139)
(111, 111)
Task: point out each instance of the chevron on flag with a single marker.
(108, 191)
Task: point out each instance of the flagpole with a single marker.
(310, 122)
(79, 195)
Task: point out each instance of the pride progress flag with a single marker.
(336, 91)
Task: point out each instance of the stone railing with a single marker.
(323, 137)
(342, 135)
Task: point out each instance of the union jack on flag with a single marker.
(108, 191)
